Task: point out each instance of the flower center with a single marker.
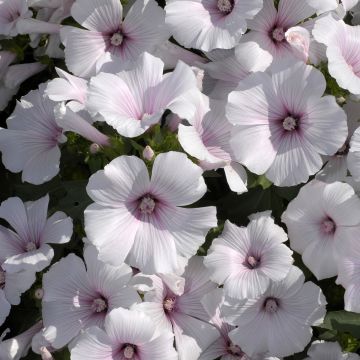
(129, 351)
(271, 305)
(328, 226)
(289, 123)
(252, 262)
(2, 278)
(169, 304)
(30, 246)
(225, 6)
(236, 351)
(117, 39)
(344, 150)
(99, 305)
(278, 34)
(147, 205)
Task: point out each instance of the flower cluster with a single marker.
(180, 179)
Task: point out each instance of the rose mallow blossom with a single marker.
(17, 347)
(128, 335)
(320, 221)
(348, 271)
(11, 11)
(31, 142)
(12, 285)
(77, 297)
(142, 221)
(210, 24)
(133, 100)
(106, 33)
(270, 25)
(227, 72)
(354, 154)
(326, 350)
(223, 347)
(343, 50)
(246, 259)
(174, 304)
(278, 322)
(27, 245)
(336, 167)
(207, 139)
(283, 124)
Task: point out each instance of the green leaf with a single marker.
(343, 321)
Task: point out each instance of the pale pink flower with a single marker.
(81, 298)
(207, 139)
(270, 25)
(279, 321)
(12, 285)
(210, 24)
(336, 168)
(343, 50)
(31, 142)
(11, 11)
(132, 101)
(354, 150)
(18, 346)
(142, 221)
(128, 334)
(228, 71)
(246, 259)
(174, 304)
(6, 58)
(320, 220)
(348, 270)
(27, 246)
(17, 74)
(283, 124)
(341, 6)
(324, 350)
(107, 33)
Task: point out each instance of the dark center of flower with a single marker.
(169, 304)
(290, 123)
(30, 246)
(117, 39)
(99, 305)
(343, 150)
(271, 305)
(235, 351)
(328, 226)
(278, 34)
(252, 262)
(147, 205)
(225, 6)
(129, 351)
(2, 278)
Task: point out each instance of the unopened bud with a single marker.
(45, 354)
(340, 100)
(94, 148)
(39, 293)
(148, 153)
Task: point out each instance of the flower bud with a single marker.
(148, 153)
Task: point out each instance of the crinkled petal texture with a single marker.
(207, 25)
(30, 144)
(141, 221)
(320, 220)
(343, 50)
(279, 322)
(138, 97)
(245, 260)
(282, 125)
(142, 30)
(125, 331)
